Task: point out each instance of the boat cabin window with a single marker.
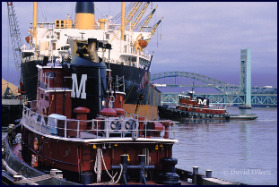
(46, 98)
(53, 46)
(107, 36)
(57, 23)
(50, 74)
(125, 36)
(58, 34)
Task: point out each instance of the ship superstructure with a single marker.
(52, 40)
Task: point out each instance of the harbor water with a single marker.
(237, 151)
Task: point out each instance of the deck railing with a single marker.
(101, 128)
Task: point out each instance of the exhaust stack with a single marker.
(85, 15)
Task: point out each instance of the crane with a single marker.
(129, 18)
(143, 26)
(154, 29)
(139, 16)
(16, 41)
(141, 43)
(15, 36)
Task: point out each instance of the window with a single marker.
(50, 74)
(46, 98)
(57, 23)
(53, 46)
(58, 35)
(125, 37)
(107, 36)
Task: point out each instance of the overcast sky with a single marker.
(199, 37)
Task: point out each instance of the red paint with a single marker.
(167, 123)
(158, 128)
(119, 111)
(108, 112)
(81, 114)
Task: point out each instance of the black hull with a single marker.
(132, 75)
(175, 114)
(10, 113)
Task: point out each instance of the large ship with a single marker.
(52, 42)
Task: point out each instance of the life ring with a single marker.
(115, 125)
(130, 125)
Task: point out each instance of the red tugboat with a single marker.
(189, 108)
(78, 126)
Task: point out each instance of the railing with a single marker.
(101, 128)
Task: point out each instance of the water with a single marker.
(237, 151)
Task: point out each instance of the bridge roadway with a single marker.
(228, 94)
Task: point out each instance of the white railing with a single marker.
(103, 128)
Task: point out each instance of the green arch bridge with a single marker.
(226, 93)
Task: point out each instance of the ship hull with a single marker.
(176, 114)
(132, 75)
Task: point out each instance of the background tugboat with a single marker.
(189, 108)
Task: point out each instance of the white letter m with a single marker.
(202, 102)
(76, 90)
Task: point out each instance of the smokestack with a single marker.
(85, 15)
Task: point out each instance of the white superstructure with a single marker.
(53, 40)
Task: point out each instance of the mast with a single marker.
(35, 27)
(122, 20)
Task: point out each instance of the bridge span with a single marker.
(226, 93)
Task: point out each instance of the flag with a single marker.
(145, 79)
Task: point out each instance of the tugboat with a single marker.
(189, 108)
(77, 131)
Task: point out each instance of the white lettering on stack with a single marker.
(76, 90)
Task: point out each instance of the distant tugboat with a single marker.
(188, 108)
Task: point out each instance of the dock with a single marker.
(243, 117)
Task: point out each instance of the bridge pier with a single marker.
(245, 77)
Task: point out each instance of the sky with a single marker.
(198, 37)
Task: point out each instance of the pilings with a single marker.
(195, 177)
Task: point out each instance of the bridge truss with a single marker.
(229, 94)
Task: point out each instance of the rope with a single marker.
(112, 177)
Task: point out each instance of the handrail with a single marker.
(103, 128)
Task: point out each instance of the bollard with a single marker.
(17, 178)
(56, 173)
(195, 172)
(208, 173)
(124, 162)
(141, 167)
